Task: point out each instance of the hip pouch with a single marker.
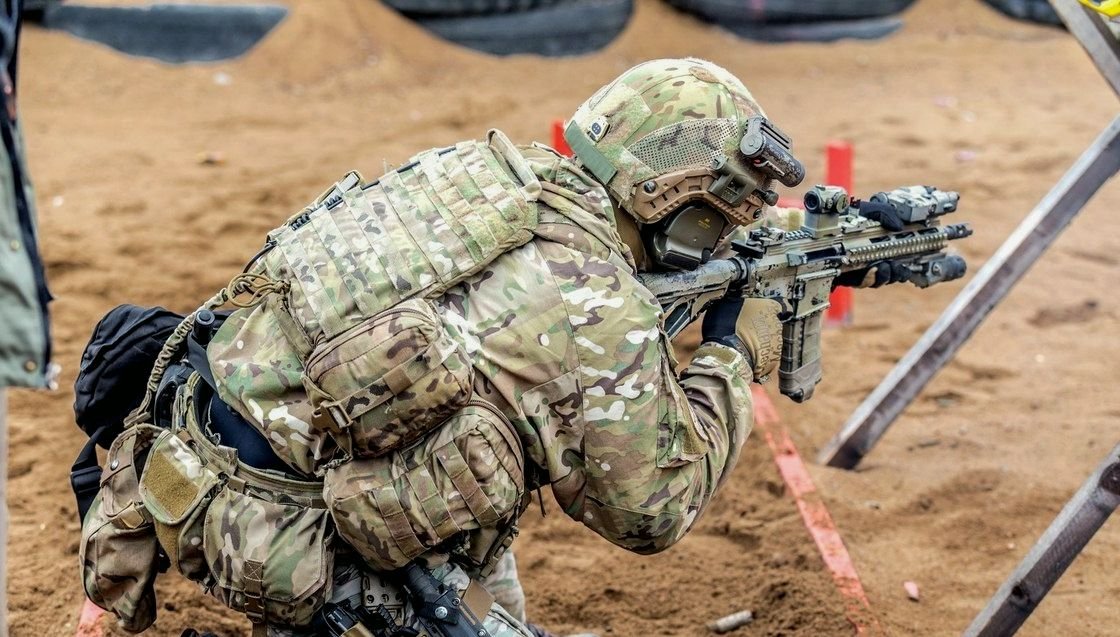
(118, 550)
(388, 381)
(259, 542)
(464, 479)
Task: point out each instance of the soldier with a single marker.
(557, 335)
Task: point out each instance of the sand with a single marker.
(952, 498)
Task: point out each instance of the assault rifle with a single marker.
(800, 268)
(438, 609)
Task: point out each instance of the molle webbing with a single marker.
(414, 232)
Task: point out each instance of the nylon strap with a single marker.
(254, 587)
(477, 502)
(388, 504)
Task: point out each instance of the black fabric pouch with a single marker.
(115, 367)
(111, 379)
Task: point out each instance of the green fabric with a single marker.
(22, 333)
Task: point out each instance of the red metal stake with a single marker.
(558, 141)
(838, 172)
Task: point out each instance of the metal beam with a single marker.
(1094, 35)
(1079, 520)
(990, 285)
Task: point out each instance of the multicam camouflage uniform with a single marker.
(567, 342)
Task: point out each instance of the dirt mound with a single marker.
(962, 98)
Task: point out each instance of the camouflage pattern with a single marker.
(118, 548)
(390, 380)
(505, 586)
(662, 116)
(260, 543)
(412, 233)
(519, 254)
(467, 475)
(270, 560)
(261, 375)
(567, 342)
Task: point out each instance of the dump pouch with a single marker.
(119, 550)
(465, 476)
(388, 381)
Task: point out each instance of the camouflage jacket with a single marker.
(567, 342)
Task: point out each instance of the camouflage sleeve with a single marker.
(655, 447)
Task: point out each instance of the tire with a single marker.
(570, 28)
(449, 8)
(1031, 10)
(739, 12)
(169, 32)
(870, 29)
(34, 10)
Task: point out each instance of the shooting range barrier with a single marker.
(1084, 514)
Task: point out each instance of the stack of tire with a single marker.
(800, 20)
(506, 27)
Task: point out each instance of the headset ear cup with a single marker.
(686, 238)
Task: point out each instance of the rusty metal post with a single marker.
(1068, 534)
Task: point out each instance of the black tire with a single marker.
(169, 32)
(449, 8)
(870, 29)
(1032, 10)
(789, 11)
(571, 28)
(34, 10)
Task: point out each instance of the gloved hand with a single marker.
(878, 274)
(880, 211)
(750, 326)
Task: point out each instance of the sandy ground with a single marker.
(952, 498)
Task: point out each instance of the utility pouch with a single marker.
(118, 552)
(271, 558)
(386, 382)
(259, 542)
(465, 477)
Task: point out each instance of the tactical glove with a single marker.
(750, 326)
(879, 274)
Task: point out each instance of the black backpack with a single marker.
(111, 380)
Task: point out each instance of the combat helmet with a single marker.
(676, 141)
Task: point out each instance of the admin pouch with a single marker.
(336, 347)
